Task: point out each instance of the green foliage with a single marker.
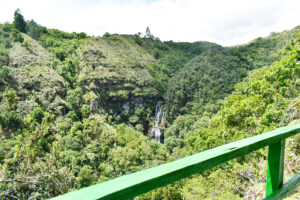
(10, 117)
(89, 152)
(9, 99)
(37, 114)
(137, 39)
(18, 38)
(75, 109)
(34, 30)
(211, 75)
(26, 44)
(5, 75)
(169, 192)
(85, 176)
(106, 34)
(19, 21)
(177, 132)
(203, 187)
(8, 35)
(82, 35)
(86, 111)
(74, 98)
(4, 59)
(264, 101)
(7, 27)
(69, 70)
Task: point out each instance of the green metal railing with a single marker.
(132, 185)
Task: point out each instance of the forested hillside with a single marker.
(266, 99)
(77, 110)
(212, 74)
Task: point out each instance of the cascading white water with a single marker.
(156, 132)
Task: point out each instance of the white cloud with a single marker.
(227, 22)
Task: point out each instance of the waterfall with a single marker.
(156, 132)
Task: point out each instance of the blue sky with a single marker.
(227, 22)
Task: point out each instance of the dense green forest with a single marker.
(77, 110)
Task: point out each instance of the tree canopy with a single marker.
(19, 21)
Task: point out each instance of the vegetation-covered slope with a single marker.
(195, 91)
(59, 98)
(268, 98)
(212, 75)
(75, 109)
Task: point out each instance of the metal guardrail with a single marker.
(129, 186)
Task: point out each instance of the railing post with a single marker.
(275, 167)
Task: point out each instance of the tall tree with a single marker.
(148, 33)
(34, 30)
(19, 21)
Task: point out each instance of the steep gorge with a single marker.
(81, 108)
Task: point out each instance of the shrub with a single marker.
(3, 57)
(26, 44)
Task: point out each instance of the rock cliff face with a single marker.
(117, 74)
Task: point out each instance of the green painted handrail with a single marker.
(132, 185)
(288, 188)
